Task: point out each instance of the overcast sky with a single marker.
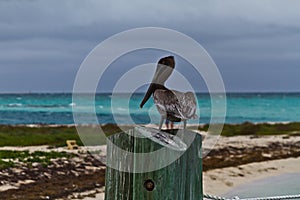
(255, 43)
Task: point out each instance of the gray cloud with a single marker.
(247, 39)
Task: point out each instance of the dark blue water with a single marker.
(57, 108)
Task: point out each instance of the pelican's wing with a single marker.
(174, 103)
(167, 103)
(189, 105)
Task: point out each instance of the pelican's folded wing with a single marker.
(174, 103)
(189, 105)
(167, 103)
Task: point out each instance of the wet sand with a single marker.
(221, 181)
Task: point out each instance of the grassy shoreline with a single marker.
(56, 136)
(259, 129)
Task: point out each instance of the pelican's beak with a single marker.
(149, 92)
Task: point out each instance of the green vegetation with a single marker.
(53, 136)
(31, 136)
(248, 128)
(6, 164)
(57, 136)
(9, 158)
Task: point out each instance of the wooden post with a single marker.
(131, 176)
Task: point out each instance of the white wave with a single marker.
(15, 105)
(72, 104)
(122, 109)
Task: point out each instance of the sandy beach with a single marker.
(220, 181)
(267, 162)
(232, 162)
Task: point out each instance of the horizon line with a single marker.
(197, 92)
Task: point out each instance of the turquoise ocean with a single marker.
(57, 108)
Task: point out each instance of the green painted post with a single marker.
(172, 171)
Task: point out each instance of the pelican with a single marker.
(172, 105)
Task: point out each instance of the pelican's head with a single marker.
(169, 61)
(164, 69)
